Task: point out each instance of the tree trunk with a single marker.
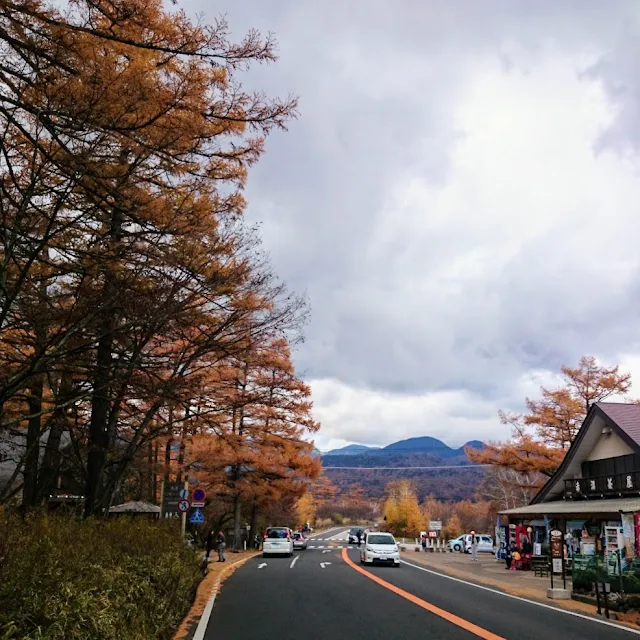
(52, 459)
(183, 437)
(156, 455)
(237, 537)
(32, 455)
(167, 460)
(252, 524)
(150, 473)
(99, 440)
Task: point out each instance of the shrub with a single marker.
(66, 579)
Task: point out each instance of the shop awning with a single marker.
(576, 507)
(135, 507)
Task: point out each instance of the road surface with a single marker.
(323, 593)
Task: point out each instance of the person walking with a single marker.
(208, 543)
(221, 544)
(474, 546)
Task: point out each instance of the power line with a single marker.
(459, 466)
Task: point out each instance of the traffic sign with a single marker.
(183, 506)
(199, 495)
(197, 504)
(170, 498)
(197, 517)
(184, 494)
(435, 525)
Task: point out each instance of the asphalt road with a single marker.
(283, 599)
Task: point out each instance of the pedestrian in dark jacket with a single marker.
(208, 543)
(221, 544)
(508, 555)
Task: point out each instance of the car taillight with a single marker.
(265, 536)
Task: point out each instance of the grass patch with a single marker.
(66, 579)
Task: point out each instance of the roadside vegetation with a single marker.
(63, 578)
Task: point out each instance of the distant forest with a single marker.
(460, 483)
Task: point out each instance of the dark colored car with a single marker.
(353, 534)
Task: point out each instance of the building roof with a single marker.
(135, 507)
(576, 507)
(626, 416)
(623, 419)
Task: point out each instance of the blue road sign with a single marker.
(197, 517)
(199, 495)
(184, 494)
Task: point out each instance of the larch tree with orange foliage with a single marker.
(126, 142)
(540, 438)
(261, 452)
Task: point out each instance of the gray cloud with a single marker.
(414, 236)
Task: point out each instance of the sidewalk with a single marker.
(492, 573)
(489, 571)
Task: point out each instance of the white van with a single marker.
(277, 540)
(485, 543)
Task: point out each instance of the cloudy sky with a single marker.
(459, 200)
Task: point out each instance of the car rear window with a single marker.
(276, 533)
(380, 539)
(297, 536)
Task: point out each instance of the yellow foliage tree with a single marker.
(306, 508)
(453, 528)
(402, 509)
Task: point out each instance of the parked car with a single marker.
(380, 547)
(277, 540)
(457, 544)
(485, 543)
(299, 541)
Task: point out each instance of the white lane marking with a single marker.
(294, 561)
(321, 546)
(537, 604)
(326, 551)
(203, 623)
(312, 546)
(262, 564)
(324, 564)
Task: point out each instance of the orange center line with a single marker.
(449, 617)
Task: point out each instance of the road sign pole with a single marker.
(183, 517)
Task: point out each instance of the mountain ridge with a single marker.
(432, 466)
(419, 444)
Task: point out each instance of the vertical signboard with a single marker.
(556, 550)
(557, 555)
(171, 497)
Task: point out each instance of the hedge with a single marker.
(62, 578)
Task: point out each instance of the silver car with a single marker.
(299, 541)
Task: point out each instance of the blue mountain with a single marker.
(351, 450)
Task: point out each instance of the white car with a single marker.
(457, 544)
(380, 547)
(485, 543)
(277, 540)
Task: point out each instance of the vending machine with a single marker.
(614, 541)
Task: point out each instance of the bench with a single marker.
(540, 565)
